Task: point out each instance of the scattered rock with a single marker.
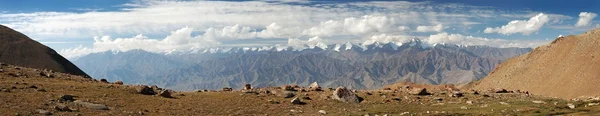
(156, 88)
(438, 99)
(247, 87)
(503, 103)
(314, 87)
(67, 98)
(165, 94)
(571, 106)
(42, 90)
(145, 90)
(297, 101)
(46, 74)
(322, 112)
(469, 102)
(198, 91)
(464, 107)
(5, 90)
(118, 82)
(344, 95)
(387, 88)
(419, 91)
(43, 112)
(91, 105)
(396, 99)
(103, 80)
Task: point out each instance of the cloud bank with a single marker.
(525, 27)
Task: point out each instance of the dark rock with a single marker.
(33, 87)
(42, 90)
(288, 88)
(500, 90)
(103, 80)
(419, 91)
(345, 95)
(67, 98)
(456, 94)
(247, 87)
(145, 90)
(165, 94)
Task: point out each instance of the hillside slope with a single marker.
(569, 67)
(18, 49)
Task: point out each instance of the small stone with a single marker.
(500, 90)
(456, 94)
(5, 90)
(288, 88)
(503, 103)
(145, 90)
(165, 94)
(571, 106)
(297, 101)
(438, 99)
(43, 112)
(42, 90)
(464, 108)
(67, 98)
(469, 102)
(118, 82)
(322, 112)
(314, 87)
(273, 101)
(538, 102)
(247, 87)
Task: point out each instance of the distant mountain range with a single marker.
(360, 66)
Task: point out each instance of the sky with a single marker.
(76, 28)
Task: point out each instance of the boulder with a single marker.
(345, 95)
(118, 82)
(145, 90)
(91, 105)
(297, 101)
(247, 87)
(419, 91)
(165, 94)
(314, 87)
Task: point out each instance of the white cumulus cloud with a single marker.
(585, 18)
(353, 26)
(525, 27)
(436, 28)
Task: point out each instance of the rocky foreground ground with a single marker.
(26, 91)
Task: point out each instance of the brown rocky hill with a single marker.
(569, 67)
(18, 49)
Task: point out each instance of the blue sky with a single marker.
(79, 27)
